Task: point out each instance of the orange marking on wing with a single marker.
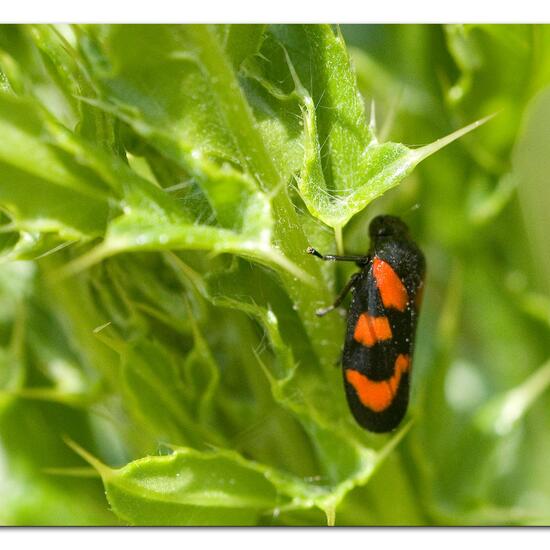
(370, 330)
(378, 395)
(392, 291)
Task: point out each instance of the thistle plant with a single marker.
(161, 362)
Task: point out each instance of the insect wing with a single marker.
(379, 342)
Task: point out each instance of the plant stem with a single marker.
(288, 233)
(339, 239)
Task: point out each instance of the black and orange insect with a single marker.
(382, 318)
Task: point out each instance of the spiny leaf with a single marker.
(360, 169)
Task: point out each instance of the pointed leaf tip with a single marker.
(101, 468)
(424, 152)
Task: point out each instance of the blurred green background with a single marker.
(158, 188)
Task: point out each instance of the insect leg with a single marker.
(333, 258)
(339, 298)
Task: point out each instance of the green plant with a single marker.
(158, 188)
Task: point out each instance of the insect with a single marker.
(381, 325)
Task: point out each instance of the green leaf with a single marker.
(53, 193)
(502, 413)
(530, 162)
(345, 168)
(15, 279)
(242, 41)
(188, 488)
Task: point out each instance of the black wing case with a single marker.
(379, 342)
